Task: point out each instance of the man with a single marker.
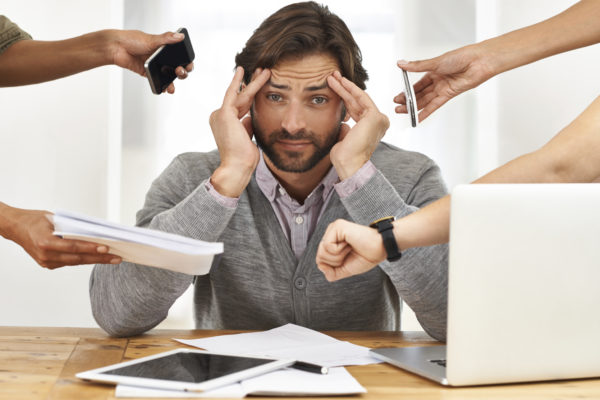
(24, 61)
(300, 77)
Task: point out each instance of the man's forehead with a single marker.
(308, 73)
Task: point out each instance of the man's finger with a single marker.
(234, 86)
(258, 81)
(357, 93)
(352, 106)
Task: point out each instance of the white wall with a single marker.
(53, 154)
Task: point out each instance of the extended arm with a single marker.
(462, 69)
(33, 61)
(33, 231)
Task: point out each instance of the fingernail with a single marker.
(115, 261)
(102, 249)
(178, 35)
(402, 62)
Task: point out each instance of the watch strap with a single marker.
(385, 227)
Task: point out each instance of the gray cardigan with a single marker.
(257, 283)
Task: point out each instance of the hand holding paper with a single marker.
(140, 245)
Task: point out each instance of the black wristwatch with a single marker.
(385, 227)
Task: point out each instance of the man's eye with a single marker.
(319, 100)
(274, 97)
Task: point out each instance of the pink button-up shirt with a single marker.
(298, 221)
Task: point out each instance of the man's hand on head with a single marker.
(356, 144)
(239, 155)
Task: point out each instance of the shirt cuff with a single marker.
(348, 186)
(229, 202)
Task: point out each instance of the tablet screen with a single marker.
(188, 367)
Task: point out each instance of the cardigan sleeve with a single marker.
(129, 299)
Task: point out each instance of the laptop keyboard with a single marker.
(441, 363)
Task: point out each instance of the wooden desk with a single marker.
(40, 363)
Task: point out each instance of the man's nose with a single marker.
(293, 120)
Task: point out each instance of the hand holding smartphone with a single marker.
(160, 66)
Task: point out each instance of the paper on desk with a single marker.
(285, 382)
(140, 245)
(288, 341)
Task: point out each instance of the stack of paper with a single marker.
(139, 245)
(288, 341)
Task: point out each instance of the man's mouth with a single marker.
(294, 145)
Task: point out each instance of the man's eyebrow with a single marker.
(307, 89)
(277, 86)
(323, 85)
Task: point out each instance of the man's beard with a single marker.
(291, 161)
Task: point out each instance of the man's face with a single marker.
(296, 117)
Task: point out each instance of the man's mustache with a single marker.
(285, 135)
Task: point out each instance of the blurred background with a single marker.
(94, 142)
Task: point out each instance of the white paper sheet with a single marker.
(288, 341)
(286, 382)
(140, 245)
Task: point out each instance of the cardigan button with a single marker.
(300, 283)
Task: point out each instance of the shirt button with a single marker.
(281, 191)
(299, 219)
(300, 283)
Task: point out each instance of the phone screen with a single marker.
(160, 67)
(188, 367)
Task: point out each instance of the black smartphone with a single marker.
(160, 66)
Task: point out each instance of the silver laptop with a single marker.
(524, 287)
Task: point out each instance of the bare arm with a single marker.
(32, 230)
(33, 61)
(576, 27)
(462, 69)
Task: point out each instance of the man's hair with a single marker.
(298, 30)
